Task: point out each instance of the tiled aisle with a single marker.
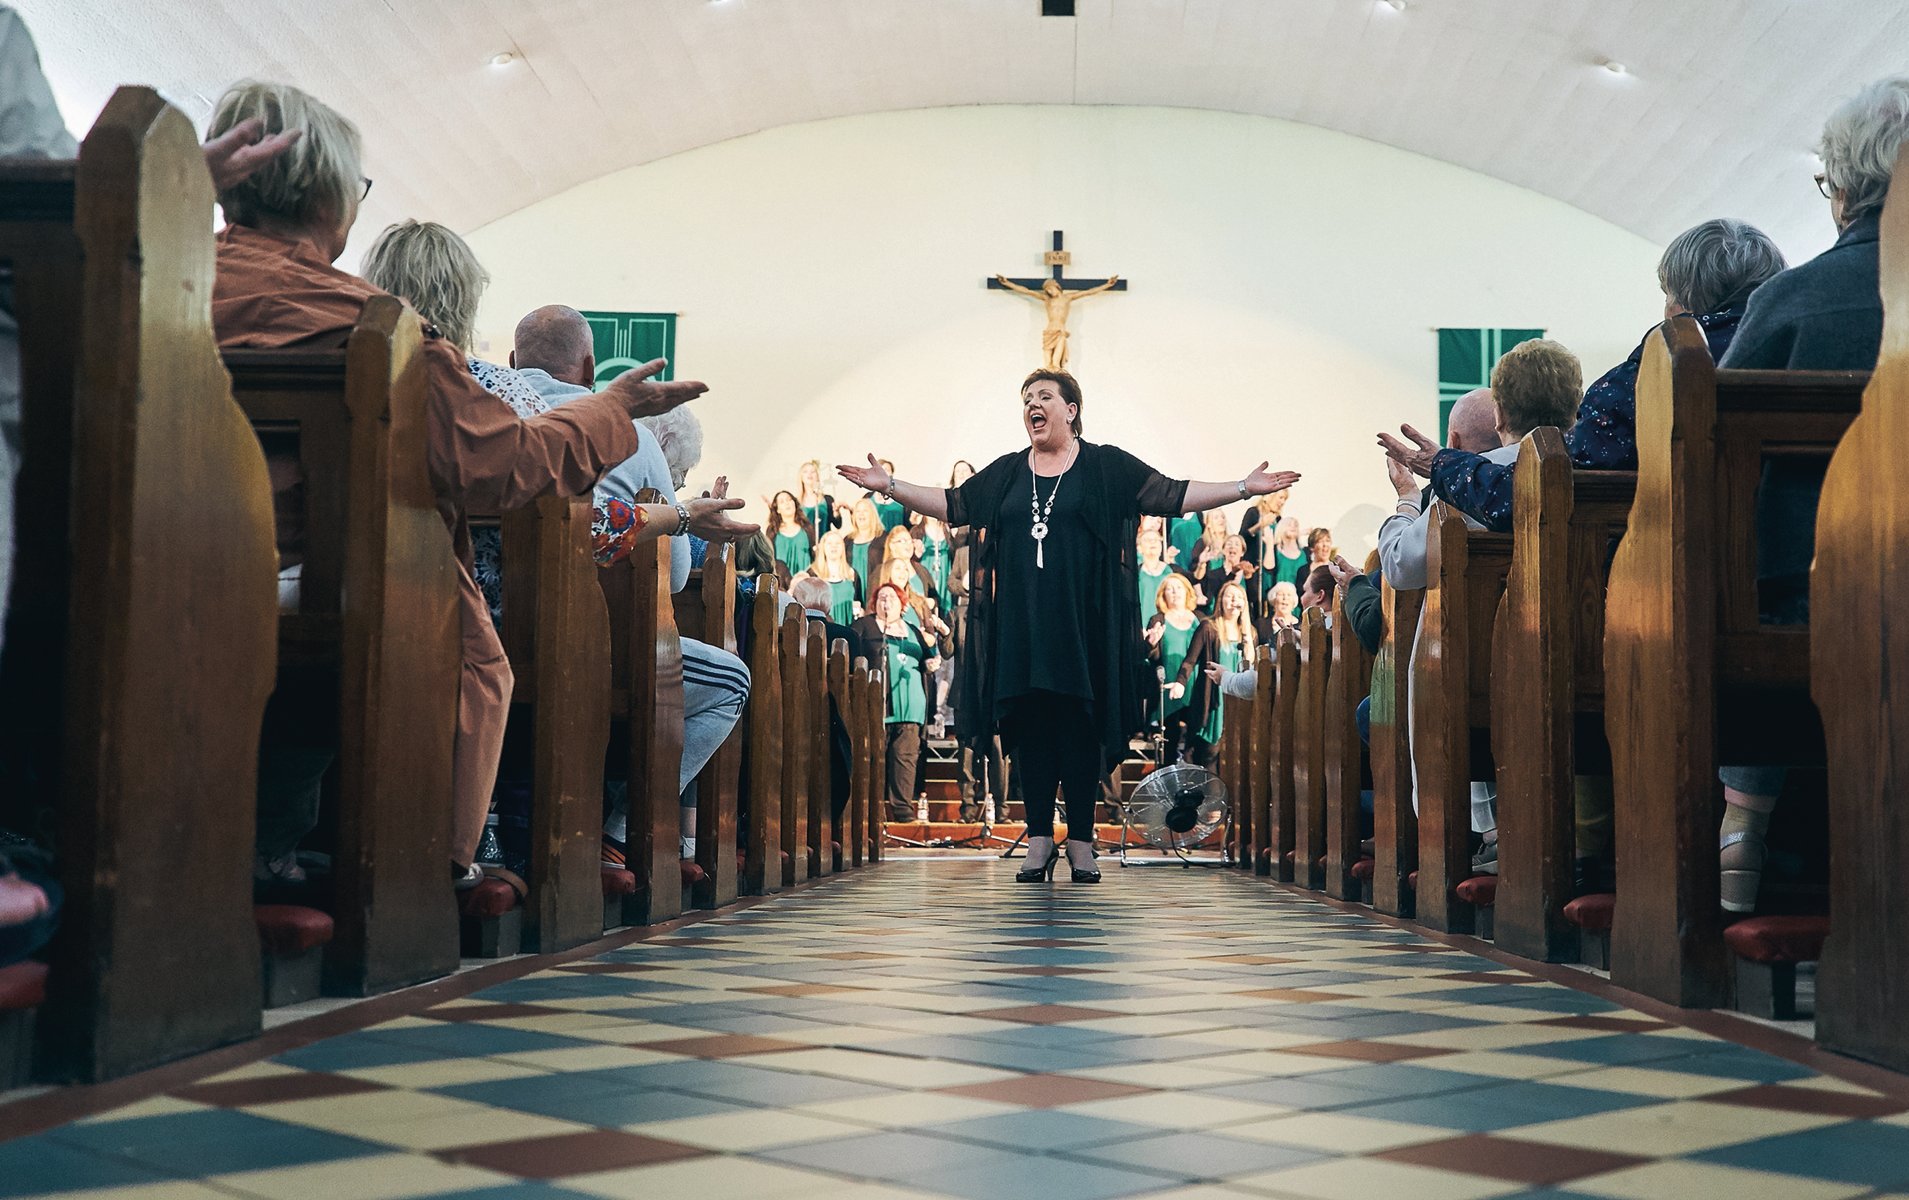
(932, 1029)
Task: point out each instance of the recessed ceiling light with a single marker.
(1393, 5)
(503, 58)
(1614, 67)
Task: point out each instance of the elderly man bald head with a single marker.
(556, 339)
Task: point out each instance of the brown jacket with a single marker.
(272, 293)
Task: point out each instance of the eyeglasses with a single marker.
(367, 182)
(1822, 185)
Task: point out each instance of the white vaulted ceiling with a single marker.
(1716, 113)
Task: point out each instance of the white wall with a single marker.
(1285, 284)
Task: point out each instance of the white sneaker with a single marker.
(689, 847)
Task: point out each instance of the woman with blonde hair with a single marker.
(1209, 553)
(1170, 640)
(831, 566)
(819, 509)
(866, 542)
(1226, 639)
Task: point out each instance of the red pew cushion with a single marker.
(1363, 869)
(289, 929)
(1480, 891)
(22, 985)
(693, 872)
(491, 898)
(1266, 856)
(1411, 880)
(1778, 939)
(836, 848)
(1292, 858)
(1592, 913)
(618, 882)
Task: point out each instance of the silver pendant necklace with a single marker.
(1041, 511)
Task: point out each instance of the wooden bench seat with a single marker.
(1310, 763)
(1548, 686)
(1692, 678)
(1465, 571)
(1347, 683)
(141, 637)
(1394, 824)
(762, 834)
(706, 611)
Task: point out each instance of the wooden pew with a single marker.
(706, 611)
(1259, 768)
(1548, 686)
(1452, 706)
(875, 744)
(1310, 764)
(816, 819)
(377, 608)
(797, 748)
(1347, 683)
(762, 836)
(1694, 679)
(855, 820)
(139, 659)
(1242, 728)
(1394, 824)
(1862, 527)
(647, 699)
(556, 630)
(836, 834)
(1283, 797)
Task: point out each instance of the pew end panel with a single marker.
(855, 716)
(718, 787)
(1862, 532)
(816, 841)
(762, 833)
(1259, 770)
(556, 632)
(1285, 795)
(837, 832)
(129, 436)
(1348, 682)
(1310, 765)
(1394, 823)
(1451, 701)
(796, 743)
(647, 695)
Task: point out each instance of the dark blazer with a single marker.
(1364, 607)
(1825, 315)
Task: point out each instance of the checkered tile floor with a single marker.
(931, 1029)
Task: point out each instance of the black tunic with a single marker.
(1113, 489)
(1045, 612)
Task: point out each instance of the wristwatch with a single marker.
(1242, 487)
(682, 519)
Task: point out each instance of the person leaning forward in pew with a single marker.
(277, 288)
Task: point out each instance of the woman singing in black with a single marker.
(1053, 663)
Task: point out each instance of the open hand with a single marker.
(643, 397)
(1176, 690)
(236, 154)
(1417, 457)
(1403, 481)
(708, 520)
(1342, 571)
(1154, 633)
(1214, 672)
(1261, 482)
(872, 478)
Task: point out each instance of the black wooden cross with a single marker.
(1058, 259)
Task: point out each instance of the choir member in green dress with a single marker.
(1259, 525)
(1288, 558)
(1170, 637)
(911, 661)
(1183, 533)
(1232, 641)
(864, 537)
(789, 530)
(819, 508)
(1153, 572)
(936, 554)
(1210, 550)
(1233, 568)
(831, 566)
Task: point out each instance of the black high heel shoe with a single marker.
(1042, 873)
(1090, 875)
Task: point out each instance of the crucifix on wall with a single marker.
(1056, 294)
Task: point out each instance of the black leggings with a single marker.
(1056, 743)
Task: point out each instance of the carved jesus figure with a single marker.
(1058, 301)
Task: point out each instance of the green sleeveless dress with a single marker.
(1150, 593)
(842, 601)
(1232, 656)
(793, 551)
(1174, 644)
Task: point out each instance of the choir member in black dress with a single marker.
(1053, 663)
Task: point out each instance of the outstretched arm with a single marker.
(1012, 286)
(1099, 288)
(931, 501)
(1259, 482)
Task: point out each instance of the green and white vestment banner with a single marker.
(626, 339)
(1465, 360)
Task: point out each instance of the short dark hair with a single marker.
(1321, 579)
(1070, 391)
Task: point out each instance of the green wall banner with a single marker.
(628, 339)
(1465, 360)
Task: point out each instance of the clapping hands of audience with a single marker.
(234, 155)
(1418, 457)
(1403, 481)
(1343, 572)
(707, 519)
